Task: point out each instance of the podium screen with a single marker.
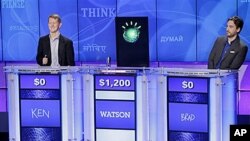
(40, 107)
(115, 107)
(188, 108)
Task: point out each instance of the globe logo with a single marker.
(131, 32)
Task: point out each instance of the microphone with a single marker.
(108, 61)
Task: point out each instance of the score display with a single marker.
(40, 107)
(188, 108)
(114, 82)
(115, 107)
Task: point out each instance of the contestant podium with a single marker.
(116, 102)
(43, 104)
(94, 103)
(196, 104)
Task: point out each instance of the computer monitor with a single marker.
(132, 47)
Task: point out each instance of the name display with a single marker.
(115, 107)
(40, 106)
(188, 108)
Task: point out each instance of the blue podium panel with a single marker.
(40, 107)
(1, 48)
(3, 100)
(96, 30)
(20, 29)
(2, 75)
(115, 107)
(188, 111)
(244, 99)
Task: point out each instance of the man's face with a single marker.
(231, 29)
(54, 25)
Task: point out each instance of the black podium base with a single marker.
(4, 136)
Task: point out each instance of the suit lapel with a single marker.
(60, 49)
(48, 46)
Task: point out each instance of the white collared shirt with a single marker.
(54, 44)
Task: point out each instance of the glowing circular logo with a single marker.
(131, 32)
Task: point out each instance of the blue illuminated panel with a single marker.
(115, 107)
(41, 134)
(243, 10)
(114, 83)
(39, 82)
(188, 117)
(188, 109)
(212, 17)
(176, 30)
(1, 48)
(187, 84)
(40, 113)
(40, 107)
(3, 100)
(20, 29)
(2, 75)
(115, 114)
(96, 30)
(244, 108)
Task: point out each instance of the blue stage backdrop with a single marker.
(176, 29)
(20, 28)
(212, 17)
(96, 29)
(182, 30)
(244, 12)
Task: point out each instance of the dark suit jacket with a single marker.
(233, 58)
(65, 51)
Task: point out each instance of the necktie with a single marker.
(222, 55)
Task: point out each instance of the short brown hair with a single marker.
(237, 21)
(56, 16)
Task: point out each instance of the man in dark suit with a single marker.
(229, 52)
(55, 49)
